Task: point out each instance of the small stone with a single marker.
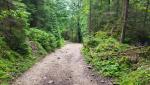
(102, 81)
(44, 77)
(58, 57)
(67, 79)
(51, 82)
(92, 75)
(76, 84)
(115, 83)
(89, 67)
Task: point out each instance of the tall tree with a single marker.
(125, 20)
(78, 22)
(90, 17)
(146, 13)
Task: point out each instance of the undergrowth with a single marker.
(13, 64)
(111, 59)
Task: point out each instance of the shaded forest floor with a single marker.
(63, 67)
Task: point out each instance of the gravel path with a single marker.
(63, 67)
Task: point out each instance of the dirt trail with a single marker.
(63, 67)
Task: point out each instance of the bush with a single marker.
(37, 49)
(14, 35)
(13, 63)
(103, 53)
(138, 77)
(7, 59)
(47, 40)
(13, 22)
(101, 48)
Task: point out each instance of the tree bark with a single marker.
(125, 20)
(146, 13)
(90, 17)
(117, 8)
(78, 23)
(109, 2)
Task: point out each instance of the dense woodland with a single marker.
(115, 35)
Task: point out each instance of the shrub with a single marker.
(13, 22)
(37, 49)
(138, 77)
(101, 48)
(4, 70)
(2, 46)
(14, 35)
(103, 53)
(47, 40)
(14, 62)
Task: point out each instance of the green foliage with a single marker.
(47, 40)
(138, 77)
(106, 15)
(21, 47)
(45, 14)
(37, 49)
(18, 43)
(13, 64)
(14, 21)
(9, 63)
(102, 52)
(4, 70)
(101, 48)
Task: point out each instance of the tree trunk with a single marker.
(79, 32)
(146, 13)
(117, 8)
(78, 23)
(109, 2)
(90, 17)
(125, 20)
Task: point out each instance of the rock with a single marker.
(116, 83)
(44, 78)
(89, 67)
(102, 81)
(58, 57)
(92, 75)
(75, 84)
(51, 82)
(67, 79)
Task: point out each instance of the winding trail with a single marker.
(63, 67)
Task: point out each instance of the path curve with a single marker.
(63, 67)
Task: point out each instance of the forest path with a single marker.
(63, 67)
